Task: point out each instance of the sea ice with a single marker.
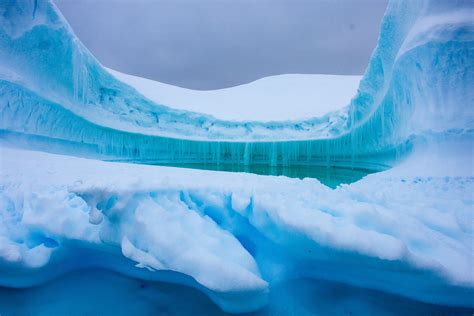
(407, 230)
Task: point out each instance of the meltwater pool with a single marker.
(330, 176)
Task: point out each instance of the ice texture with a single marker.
(406, 231)
(233, 234)
(418, 87)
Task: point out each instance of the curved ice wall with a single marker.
(417, 89)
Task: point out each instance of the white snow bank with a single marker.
(446, 157)
(234, 233)
(275, 98)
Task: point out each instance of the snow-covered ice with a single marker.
(56, 96)
(407, 230)
(233, 233)
(275, 98)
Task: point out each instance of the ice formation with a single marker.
(274, 98)
(234, 233)
(407, 230)
(50, 79)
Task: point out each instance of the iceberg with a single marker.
(235, 237)
(50, 79)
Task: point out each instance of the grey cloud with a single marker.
(213, 44)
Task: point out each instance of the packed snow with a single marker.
(277, 98)
(233, 233)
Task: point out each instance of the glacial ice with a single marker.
(406, 231)
(234, 233)
(50, 79)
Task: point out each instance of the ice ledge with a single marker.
(235, 234)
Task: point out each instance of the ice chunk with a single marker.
(410, 231)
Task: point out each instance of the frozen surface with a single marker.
(275, 98)
(234, 237)
(234, 234)
(43, 58)
(417, 89)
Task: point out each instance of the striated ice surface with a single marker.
(233, 234)
(417, 87)
(406, 231)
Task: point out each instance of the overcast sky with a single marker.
(210, 44)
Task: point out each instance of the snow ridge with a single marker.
(234, 234)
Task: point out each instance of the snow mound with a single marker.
(275, 98)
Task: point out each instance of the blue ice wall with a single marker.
(41, 53)
(418, 86)
(419, 80)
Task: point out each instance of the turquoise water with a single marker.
(330, 176)
(101, 292)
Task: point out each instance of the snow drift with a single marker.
(233, 235)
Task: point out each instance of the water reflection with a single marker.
(101, 292)
(332, 177)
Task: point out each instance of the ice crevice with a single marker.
(234, 236)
